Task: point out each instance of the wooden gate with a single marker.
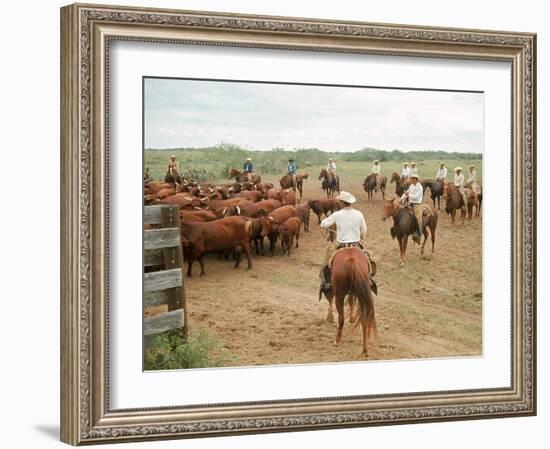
(163, 281)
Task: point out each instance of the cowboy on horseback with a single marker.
(247, 169)
(414, 197)
(459, 184)
(413, 169)
(441, 174)
(291, 170)
(377, 170)
(331, 167)
(351, 228)
(405, 171)
(173, 172)
(472, 175)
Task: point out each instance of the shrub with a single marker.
(171, 351)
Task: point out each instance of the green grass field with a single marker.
(212, 164)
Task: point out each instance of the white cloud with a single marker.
(189, 113)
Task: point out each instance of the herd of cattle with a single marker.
(231, 218)
(234, 217)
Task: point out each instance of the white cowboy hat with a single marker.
(472, 166)
(330, 159)
(172, 157)
(376, 161)
(248, 159)
(414, 175)
(413, 163)
(458, 168)
(346, 197)
(405, 163)
(442, 163)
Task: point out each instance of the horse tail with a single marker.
(361, 295)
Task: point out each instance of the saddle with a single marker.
(372, 263)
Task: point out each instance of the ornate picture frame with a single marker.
(87, 32)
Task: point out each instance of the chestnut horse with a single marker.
(351, 278)
(329, 183)
(404, 224)
(240, 176)
(453, 202)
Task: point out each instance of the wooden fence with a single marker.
(162, 250)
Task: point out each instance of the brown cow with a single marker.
(275, 194)
(183, 200)
(251, 195)
(154, 187)
(304, 212)
(199, 239)
(256, 235)
(324, 206)
(220, 204)
(287, 231)
(270, 224)
(268, 205)
(192, 216)
(289, 197)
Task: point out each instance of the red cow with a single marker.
(324, 206)
(270, 224)
(304, 213)
(199, 239)
(289, 197)
(287, 231)
(192, 216)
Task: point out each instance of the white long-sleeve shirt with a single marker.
(331, 166)
(405, 172)
(472, 176)
(415, 193)
(459, 180)
(441, 173)
(413, 170)
(350, 225)
(376, 169)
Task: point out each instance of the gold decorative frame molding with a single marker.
(86, 31)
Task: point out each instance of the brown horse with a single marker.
(286, 182)
(351, 278)
(437, 189)
(453, 202)
(404, 224)
(329, 183)
(400, 184)
(240, 176)
(369, 185)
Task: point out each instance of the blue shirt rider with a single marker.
(292, 172)
(247, 168)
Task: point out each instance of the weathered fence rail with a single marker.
(162, 250)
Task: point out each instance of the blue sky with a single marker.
(193, 113)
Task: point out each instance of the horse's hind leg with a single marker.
(425, 232)
(340, 310)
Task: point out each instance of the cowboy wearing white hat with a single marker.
(458, 182)
(350, 229)
(405, 171)
(331, 166)
(377, 170)
(441, 174)
(247, 169)
(472, 175)
(414, 196)
(413, 169)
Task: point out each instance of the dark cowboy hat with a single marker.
(291, 160)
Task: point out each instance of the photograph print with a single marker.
(305, 223)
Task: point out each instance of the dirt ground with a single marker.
(431, 307)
